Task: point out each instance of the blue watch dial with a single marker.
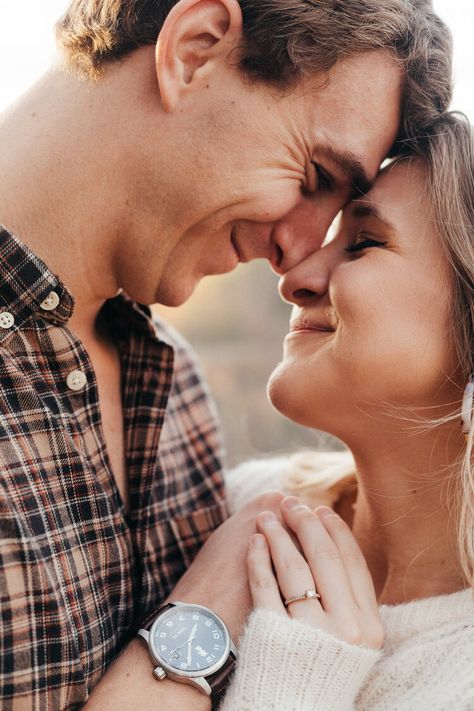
(189, 639)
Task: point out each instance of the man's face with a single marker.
(262, 175)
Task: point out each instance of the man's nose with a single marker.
(303, 230)
(310, 279)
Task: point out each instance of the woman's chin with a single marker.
(315, 403)
(287, 397)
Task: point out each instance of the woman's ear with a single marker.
(196, 36)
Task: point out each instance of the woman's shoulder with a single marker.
(428, 657)
(318, 478)
(430, 619)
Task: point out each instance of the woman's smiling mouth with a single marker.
(304, 325)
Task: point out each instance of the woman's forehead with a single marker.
(397, 192)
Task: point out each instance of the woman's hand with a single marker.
(331, 563)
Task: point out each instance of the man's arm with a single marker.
(130, 684)
(218, 579)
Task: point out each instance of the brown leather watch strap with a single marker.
(149, 619)
(219, 681)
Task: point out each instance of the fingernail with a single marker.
(325, 511)
(258, 541)
(267, 517)
(291, 502)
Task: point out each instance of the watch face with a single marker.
(190, 639)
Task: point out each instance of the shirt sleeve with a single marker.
(286, 664)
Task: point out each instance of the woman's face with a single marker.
(371, 326)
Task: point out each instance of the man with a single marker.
(177, 140)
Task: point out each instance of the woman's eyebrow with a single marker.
(361, 210)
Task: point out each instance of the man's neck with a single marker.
(56, 182)
(403, 521)
(72, 180)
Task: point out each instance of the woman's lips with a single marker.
(303, 325)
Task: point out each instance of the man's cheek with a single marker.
(274, 201)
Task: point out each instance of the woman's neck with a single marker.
(403, 517)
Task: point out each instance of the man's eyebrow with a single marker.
(365, 210)
(350, 165)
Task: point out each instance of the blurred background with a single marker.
(235, 322)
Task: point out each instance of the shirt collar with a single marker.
(122, 316)
(25, 285)
(26, 282)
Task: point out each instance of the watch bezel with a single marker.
(182, 672)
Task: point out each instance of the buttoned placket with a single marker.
(51, 302)
(7, 320)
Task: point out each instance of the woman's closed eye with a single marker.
(364, 241)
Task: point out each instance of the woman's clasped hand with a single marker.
(314, 551)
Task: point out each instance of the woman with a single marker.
(374, 608)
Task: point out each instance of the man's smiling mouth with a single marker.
(273, 252)
(235, 245)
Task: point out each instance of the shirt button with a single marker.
(6, 320)
(76, 380)
(51, 302)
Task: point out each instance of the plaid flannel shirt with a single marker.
(77, 571)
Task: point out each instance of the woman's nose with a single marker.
(307, 281)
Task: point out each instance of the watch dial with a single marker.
(190, 639)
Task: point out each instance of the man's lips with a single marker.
(235, 245)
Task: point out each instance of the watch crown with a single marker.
(159, 673)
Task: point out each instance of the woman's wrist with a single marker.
(295, 665)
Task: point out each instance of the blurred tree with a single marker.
(236, 323)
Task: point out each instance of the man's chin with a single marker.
(175, 295)
(178, 292)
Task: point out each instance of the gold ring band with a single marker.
(307, 595)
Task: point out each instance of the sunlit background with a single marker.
(236, 322)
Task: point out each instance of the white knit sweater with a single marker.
(427, 660)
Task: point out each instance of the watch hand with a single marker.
(178, 647)
(182, 645)
(193, 632)
(189, 653)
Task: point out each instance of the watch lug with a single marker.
(144, 634)
(233, 650)
(201, 684)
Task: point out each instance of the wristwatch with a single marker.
(192, 645)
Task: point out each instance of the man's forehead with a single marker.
(355, 119)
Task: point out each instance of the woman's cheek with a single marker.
(355, 294)
(375, 334)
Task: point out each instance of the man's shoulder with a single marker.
(184, 352)
(169, 334)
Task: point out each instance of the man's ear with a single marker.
(195, 34)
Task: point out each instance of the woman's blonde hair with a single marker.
(449, 154)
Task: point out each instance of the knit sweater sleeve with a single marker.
(287, 664)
